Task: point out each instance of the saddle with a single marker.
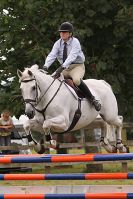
(78, 113)
(79, 93)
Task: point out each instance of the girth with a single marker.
(76, 117)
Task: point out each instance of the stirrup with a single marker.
(96, 104)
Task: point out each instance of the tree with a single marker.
(105, 28)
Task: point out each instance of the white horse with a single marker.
(50, 105)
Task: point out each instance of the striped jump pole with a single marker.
(69, 196)
(76, 176)
(66, 158)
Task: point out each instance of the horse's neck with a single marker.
(47, 86)
(44, 81)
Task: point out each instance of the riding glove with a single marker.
(45, 68)
(58, 72)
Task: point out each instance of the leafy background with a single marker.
(104, 28)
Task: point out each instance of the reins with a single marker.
(43, 110)
(46, 91)
(38, 101)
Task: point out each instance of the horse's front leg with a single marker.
(57, 124)
(36, 126)
(27, 129)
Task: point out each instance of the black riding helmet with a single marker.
(66, 27)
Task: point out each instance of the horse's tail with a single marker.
(106, 83)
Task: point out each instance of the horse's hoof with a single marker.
(52, 144)
(39, 148)
(31, 144)
(124, 149)
(127, 148)
(114, 149)
(56, 147)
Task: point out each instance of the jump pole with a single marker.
(76, 176)
(66, 158)
(69, 196)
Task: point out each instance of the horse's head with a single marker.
(30, 91)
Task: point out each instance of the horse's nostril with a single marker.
(30, 114)
(33, 114)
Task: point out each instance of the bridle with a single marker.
(29, 101)
(38, 100)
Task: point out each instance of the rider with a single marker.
(70, 55)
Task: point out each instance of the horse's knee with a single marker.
(47, 124)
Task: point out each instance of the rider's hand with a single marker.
(45, 68)
(58, 72)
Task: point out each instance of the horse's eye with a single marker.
(33, 88)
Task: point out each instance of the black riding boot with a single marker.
(83, 87)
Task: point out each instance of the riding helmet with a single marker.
(66, 27)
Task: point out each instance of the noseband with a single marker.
(28, 101)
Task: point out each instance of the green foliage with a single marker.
(105, 30)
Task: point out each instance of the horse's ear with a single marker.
(35, 66)
(30, 73)
(19, 73)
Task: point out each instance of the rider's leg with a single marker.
(76, 72)
(83, 87)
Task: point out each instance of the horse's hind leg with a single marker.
(122, 148)
(104, 141)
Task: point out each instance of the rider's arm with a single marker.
(52, 55)
(74, 53)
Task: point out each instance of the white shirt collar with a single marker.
(68, 42)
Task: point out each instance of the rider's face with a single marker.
(65, 35)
